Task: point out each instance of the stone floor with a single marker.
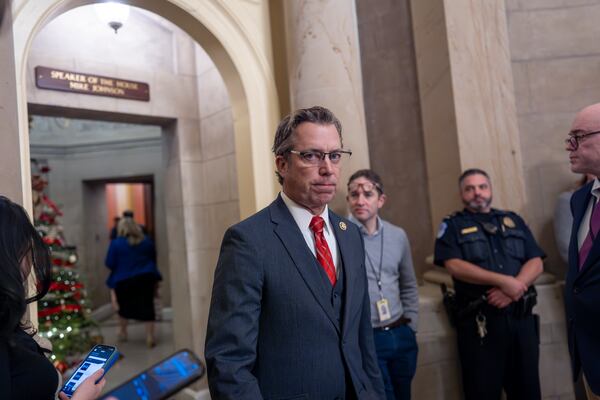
(136, 355)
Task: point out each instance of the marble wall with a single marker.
(10, 164)
(324, 69)
(555, 60)
(210, 191)
(467, 100)
(393, 118)
(438, 116)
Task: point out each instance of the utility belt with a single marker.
(460, 307)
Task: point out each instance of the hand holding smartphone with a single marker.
(89, 389)
(100, 357)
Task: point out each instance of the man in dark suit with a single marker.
(289, 316)
(582, 287)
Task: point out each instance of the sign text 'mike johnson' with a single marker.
(77, 82)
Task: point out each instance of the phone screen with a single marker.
(161, 380)
(97, 358)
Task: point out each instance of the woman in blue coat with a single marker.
(134, 276)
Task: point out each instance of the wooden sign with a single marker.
(78, 82)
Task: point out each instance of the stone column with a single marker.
(467, 100)
(324, 69)
(10, 162)
(12, 179)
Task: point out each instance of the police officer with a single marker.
(494, 260)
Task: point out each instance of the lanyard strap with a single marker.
(377, 274)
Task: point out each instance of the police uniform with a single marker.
(508, 353)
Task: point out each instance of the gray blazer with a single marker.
(272, 330)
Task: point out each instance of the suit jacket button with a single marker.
(576, 290)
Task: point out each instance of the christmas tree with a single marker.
(63, 314)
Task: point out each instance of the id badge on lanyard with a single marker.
(383, 306)
(383, 310)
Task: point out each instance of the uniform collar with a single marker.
(493, 211)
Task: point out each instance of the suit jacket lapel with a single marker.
(351, 263)
(292, 239)
(581, 200)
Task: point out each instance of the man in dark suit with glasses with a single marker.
(289, 316)
(582, 286)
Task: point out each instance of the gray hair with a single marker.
(284, 136)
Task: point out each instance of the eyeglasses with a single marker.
(574, 139)
(366, 187)
(314, 157)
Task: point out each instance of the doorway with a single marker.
(104, 201)
(204, 190)
(135, 198)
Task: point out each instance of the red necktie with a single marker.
(592, 233)
(323, 254)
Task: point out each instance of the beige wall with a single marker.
(323, 61)
(555, 59)
(467, 100)
(393, 118)
(10, 167)
(210, 201)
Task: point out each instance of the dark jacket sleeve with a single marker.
(233, 321)
(367, 344)
(4, 370)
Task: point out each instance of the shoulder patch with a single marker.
(442, 229)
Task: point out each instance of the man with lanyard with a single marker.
(494, 260)
(392, 284)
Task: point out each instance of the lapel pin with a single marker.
(343, 226)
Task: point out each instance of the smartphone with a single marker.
(101, 356)
(161, 380)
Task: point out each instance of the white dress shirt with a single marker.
(303, 217)
(584, 227)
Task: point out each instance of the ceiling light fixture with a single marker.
(112, 14)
